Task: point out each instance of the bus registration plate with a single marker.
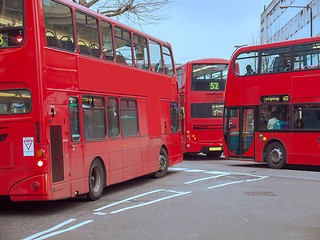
(212, 149)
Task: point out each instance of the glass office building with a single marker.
(290, 19)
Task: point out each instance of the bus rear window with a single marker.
(15, 101)
(206, 110)
(209, 77)
(11, 23)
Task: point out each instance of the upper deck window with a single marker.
(209, 77)
(246, 63)
(123, 46)
(168, 61)
(11, 23)
(276, 60)
(58, 25)
(88, 35)
(155, 56)
(140, 52)
(107, 43)
(17, 101)
(307, 56)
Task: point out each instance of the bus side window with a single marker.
(74, 119)
(58, 26)
(306, 56)
(307, 116)
(155, 56)
(107, 43)
(129, 117)
(123, 46)
(113, 117)
(140, 52)
(175, 116)
(87, 35)
(168, 61)
(245, 59)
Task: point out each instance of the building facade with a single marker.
(289, 19)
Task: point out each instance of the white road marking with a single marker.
(127, 199)
(51, 232)
(151, 202)
(207, 178)
(176, 194)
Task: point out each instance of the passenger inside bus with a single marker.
(249, 70)
(121, 60)
(273, 120)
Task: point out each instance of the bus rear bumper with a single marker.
(30, 189)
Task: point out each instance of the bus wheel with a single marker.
(163, 164)
(96, 180)
(276, 155)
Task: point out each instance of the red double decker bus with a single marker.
(272, 103)
(201, 93)
(85, 102)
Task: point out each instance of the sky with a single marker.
(209, 28)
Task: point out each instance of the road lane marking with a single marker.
(206, 178)
(136, 197)
(195, 170)
(51, 232)
(151, 202)
(235, 182)
(127, 200)
(51, 229)
(135, 200)
(218, 174)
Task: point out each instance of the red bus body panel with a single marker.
(301, 147)
(199, 134)
(52, 76)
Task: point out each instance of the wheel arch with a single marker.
(99, 158)
(270, 141)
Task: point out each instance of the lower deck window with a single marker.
(15, 101)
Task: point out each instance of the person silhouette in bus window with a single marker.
(284, 65)
(249, 70)
(273, 120)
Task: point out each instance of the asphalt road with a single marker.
(198, 199)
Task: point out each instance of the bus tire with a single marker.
(96, 181)
(163, 164)
(276, 156)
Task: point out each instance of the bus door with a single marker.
(75, 147)
(240, 132)
(58, 130)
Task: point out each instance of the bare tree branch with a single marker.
(134, 11)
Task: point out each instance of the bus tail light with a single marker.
(40, 163)
(40, 158)
(40, 153)
(19, 39)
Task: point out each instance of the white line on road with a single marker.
(207, 178)
(151, 202)
(51, 232)
(127, 199)
(235, 182)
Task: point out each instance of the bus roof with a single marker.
(207, 60)
(275, 45)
